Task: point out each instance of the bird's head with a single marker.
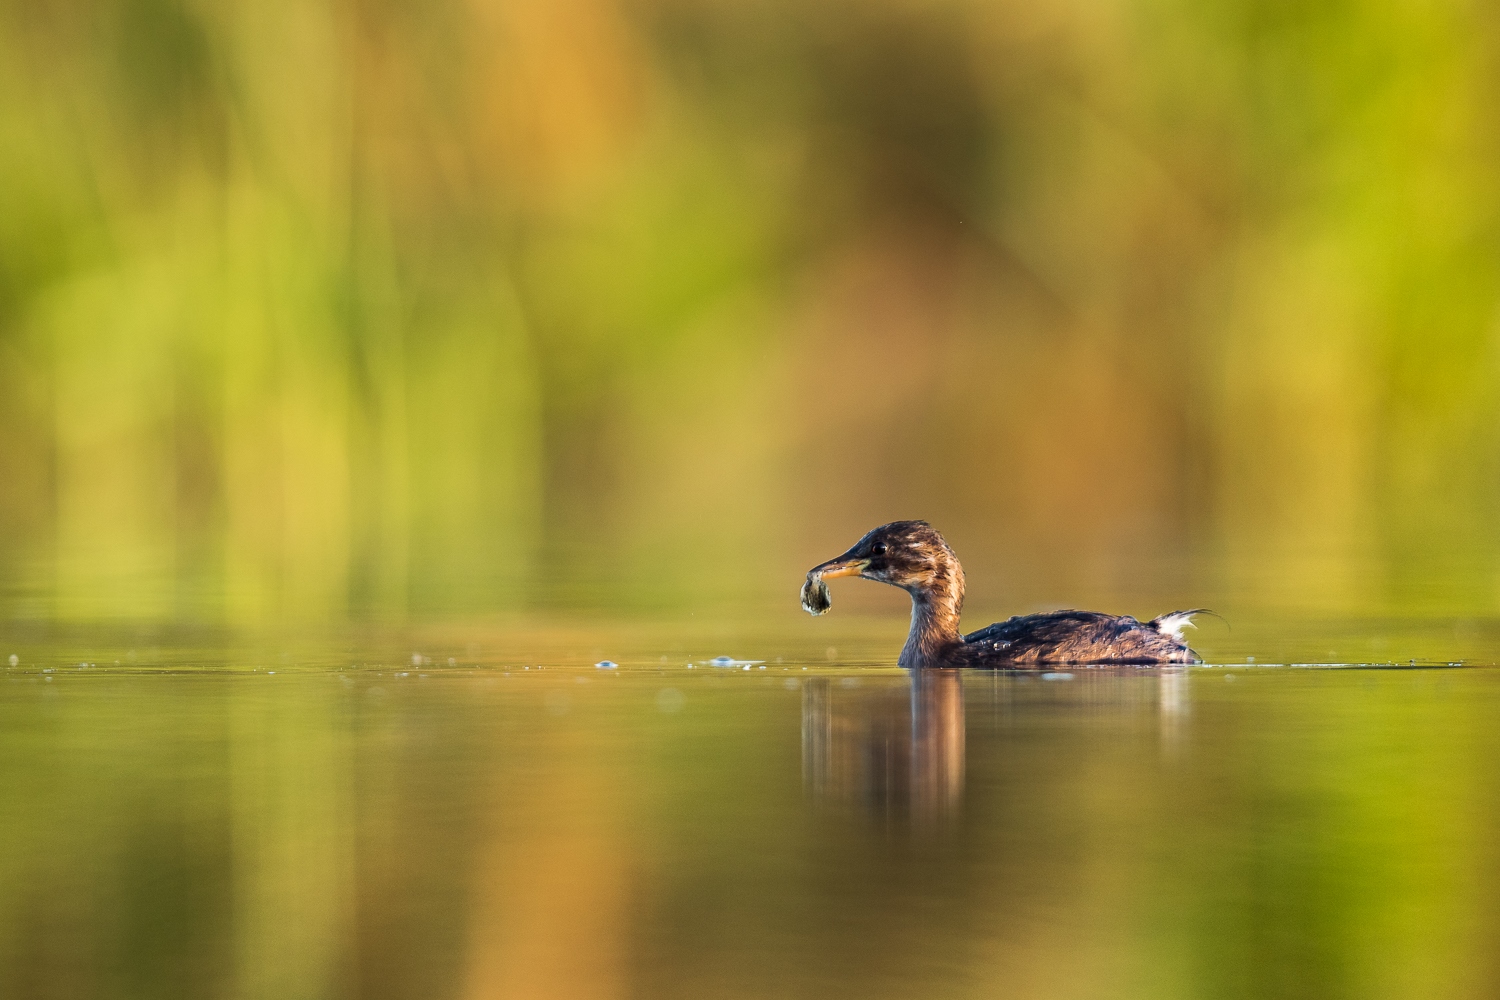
(911, 555)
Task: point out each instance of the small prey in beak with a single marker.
(815, 597)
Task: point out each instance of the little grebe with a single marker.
(913, 556)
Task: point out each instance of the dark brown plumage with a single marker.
(912, 555)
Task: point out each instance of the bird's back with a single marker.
(1073, 637)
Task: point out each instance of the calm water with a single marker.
(356, 816)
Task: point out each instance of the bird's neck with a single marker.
(935, 610)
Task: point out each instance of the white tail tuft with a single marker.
(1173, 624)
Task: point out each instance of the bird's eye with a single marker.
(878, 549)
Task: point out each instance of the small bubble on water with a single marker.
(1249, 659)
(746, 667)
(607, 665)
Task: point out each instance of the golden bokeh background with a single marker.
(318, 310)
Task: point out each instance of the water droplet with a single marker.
(14, 659)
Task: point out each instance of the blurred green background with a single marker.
(391, 310)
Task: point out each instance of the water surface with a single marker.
(358, 817)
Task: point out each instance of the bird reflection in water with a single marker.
(893, 750)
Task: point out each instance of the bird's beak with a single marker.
(842, 566)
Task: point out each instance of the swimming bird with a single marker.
(912, 555)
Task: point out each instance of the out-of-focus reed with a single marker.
(314, 309)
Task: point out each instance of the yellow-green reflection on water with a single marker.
(523, 824)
